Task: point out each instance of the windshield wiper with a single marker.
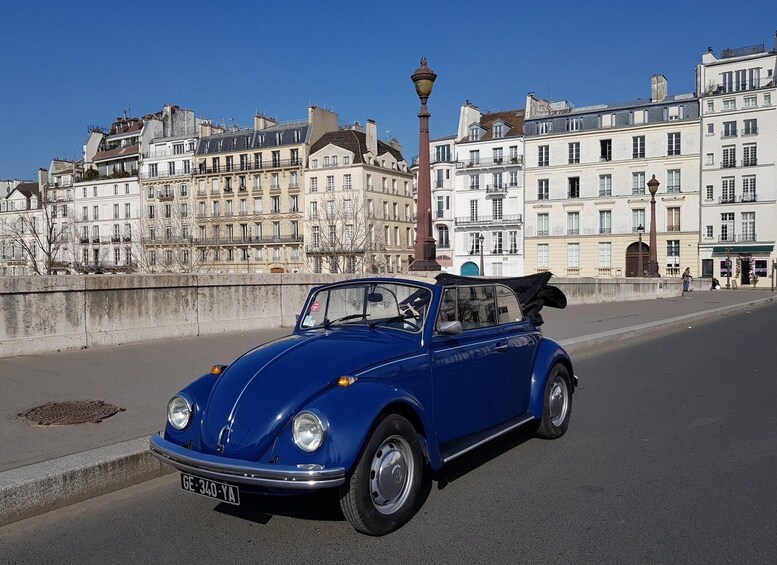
(397, 318)
(328, 323)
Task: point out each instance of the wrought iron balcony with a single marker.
(485, 220)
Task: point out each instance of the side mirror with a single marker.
(450, 328)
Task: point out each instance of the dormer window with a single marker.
(474, 133)
(498, 131)
(544, 128)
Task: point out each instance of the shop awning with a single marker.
(719, 251)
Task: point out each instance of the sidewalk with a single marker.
(141, 378)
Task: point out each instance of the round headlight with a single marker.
(308, 431)
(179, 412)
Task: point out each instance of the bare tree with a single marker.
(344, 234)
(166, 244)
(42, 239)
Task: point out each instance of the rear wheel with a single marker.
(557, 407)
(382, 492)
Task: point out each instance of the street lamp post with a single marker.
(425, 247)
(481, 238)
(728, 267)
(640, 230)
(653, 257)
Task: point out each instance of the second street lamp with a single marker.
(653, 260)
(481, 238)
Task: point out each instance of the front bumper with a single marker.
(244, 472)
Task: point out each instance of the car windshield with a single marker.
(370, 304)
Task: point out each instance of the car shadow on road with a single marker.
(479, 456)
(260, 508)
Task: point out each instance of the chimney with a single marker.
(263, 122)
(372, 137)
(43, 179)
(658, 88)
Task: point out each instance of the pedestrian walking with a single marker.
(687, 278)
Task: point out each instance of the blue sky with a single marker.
(68, 65)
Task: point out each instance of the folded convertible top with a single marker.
(533, 291)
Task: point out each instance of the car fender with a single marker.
(351, 414)
(549, 353)
(198, 391)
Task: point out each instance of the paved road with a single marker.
(669, 459)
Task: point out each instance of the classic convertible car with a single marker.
(381, 380)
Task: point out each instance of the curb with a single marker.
(42, 487)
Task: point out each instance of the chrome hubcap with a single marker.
(559, 401)
(391, 474)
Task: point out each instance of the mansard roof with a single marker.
(513, 119)
(355, 142)
(250, 139)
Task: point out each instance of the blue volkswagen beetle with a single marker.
(381, 380)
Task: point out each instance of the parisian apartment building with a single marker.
(738, 101)
(588, 206)
(477, 193)
(359, 201)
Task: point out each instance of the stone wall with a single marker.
(46, 314)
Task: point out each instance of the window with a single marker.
(543, 189)
(673, 180)
(730, 104)
(474, 133)
(544, 128)
(573, 223)
(605, 149)
(729, 157)
(751, 127)
(473, 210)
(638, 147)
(748, 226)
(672, 144)
(605, 255)
(347, 182)
(442, 153)
(750, 157)
(115, 211)
(573, 255)
(513, 178)
(708, 232)
(710, 159)
(673, 256)
(748, 188)
(498, 131)
(673, 219)
(474, 182)
(496, 209)
(443, 240)
(710, 129)
(727, 226)
(574, 152)
(727, 192)
(513, 237)
(710, 106)
(574, 124)
(543, 156)
(638, 183)
(476, 306)
(637, 219)
(543, 225)
(767, 99)
(750, 102)
(729, 129)
(474, 158)
(605, 221)
(573, 187)
(542, 255)
(497, 154)
(605, 185)
(709, 192)
(474, 243)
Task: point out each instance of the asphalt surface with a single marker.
(47, 467)
(668, 459)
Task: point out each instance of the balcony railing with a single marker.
(750, 131)
(481, 220)
(496, 189)
(275, 164)
(498, 161)
(248, 240)
(166, 174)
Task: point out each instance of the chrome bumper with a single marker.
(243, 472)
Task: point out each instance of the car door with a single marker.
(470, 370)
(522, 340)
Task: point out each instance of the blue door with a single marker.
(470, 269)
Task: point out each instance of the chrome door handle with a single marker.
(501, 347)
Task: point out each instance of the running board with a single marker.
(453, 449)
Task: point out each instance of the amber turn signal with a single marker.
(217, 369)
(346, 381)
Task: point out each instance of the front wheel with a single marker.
(383, 489)
(557, 407)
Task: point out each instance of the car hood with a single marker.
(255, 397)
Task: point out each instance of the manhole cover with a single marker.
(76, 412)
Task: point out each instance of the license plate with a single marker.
(212, 489)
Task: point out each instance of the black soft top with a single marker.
(533, 291)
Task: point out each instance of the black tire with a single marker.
(382, 492)
(557, 405)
